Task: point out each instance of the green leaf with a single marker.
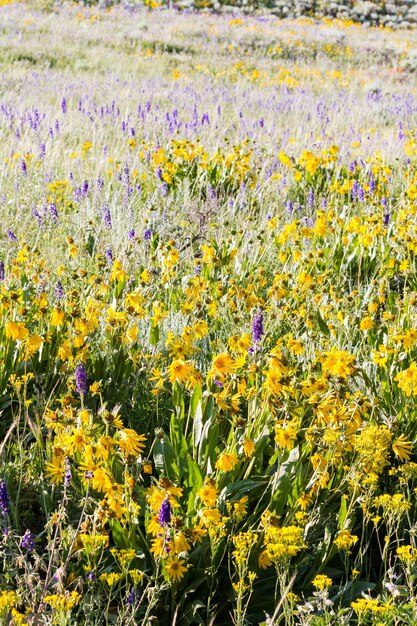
(208, 443)
(197, 425)
(342, 513)
(165, 459)
(154, 335)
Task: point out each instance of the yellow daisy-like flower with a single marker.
(226, 462)
(248, 447)
(338, 363)
(16, 331)
(175, 569)
(208, 493)
(130, 442)
(222, 364)
(402, 448)
(180, 371)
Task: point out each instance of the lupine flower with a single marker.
(11, 235)
(132, 597)
(23, 167)
(164, 516)
(4, 498)
(109, 255)
(81, 379)
(147, 234)
(107, 218)
(257, 327)
(310, 199)
(28, 542)
(67, 476)
(58, 290)
(1, 270)
(131, 235)
(53, 212)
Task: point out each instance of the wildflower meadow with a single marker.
(208, 319)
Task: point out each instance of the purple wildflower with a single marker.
(1, 270)
(11, 235)
(4, 498)
(53, 212)
(131, 235)
(67, 476)
(257, 327)
(58, 290)
(23, 167)
(64, 105)
(109, 255)
(37, 216)
(164, 516)
(387, 218)
(147, 234)
(90, 576)
(42, 150)
(164, 190)
(211, 192)
(132, 597)
(28, 542)
(81, 379)
(310, 199)
(107, 217)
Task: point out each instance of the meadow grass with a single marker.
(208, 357)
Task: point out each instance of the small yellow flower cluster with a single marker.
(374, 606)
(63, 602)
(407, 380)
(345, 540)
(321, 582)
(281, 543)
(393, 506)
(407, 554)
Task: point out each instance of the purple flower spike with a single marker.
(109, 256)
(164, 516)
(257, 327)
(81, 379)
(28, 542)
(107, 217)
(4, 498)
